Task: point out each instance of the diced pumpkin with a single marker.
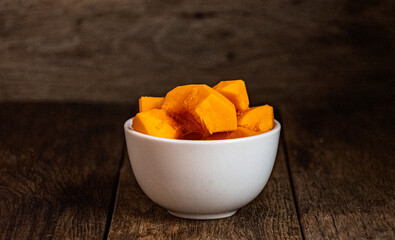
(192, 136)
(156, 122)
(240, 132)
(148, 103)
(260, 119)
(218, 136)
(200, 108)
(236, 92)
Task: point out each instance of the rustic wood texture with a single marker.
(58, 169)
(341, 154)
(59, 164)
(96, 50)
(272, 215)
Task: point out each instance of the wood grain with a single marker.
(271, 215)
(58, 169)
(96, 50)
(341, 153)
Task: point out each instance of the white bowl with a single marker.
(202, 179)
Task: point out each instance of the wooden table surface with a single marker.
(64, 173)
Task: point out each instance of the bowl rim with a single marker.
(128, 128)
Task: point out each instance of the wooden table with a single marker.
(64, 173)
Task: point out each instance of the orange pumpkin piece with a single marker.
(240, 132)
(200, 108)
(236, 92)
(260, 119)
(148, 103)
(156, 122)
(192, 136)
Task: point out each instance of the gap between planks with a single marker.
(114, 194)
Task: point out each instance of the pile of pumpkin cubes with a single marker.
(199, 112)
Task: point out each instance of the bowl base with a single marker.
(203, 216)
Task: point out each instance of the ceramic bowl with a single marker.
(202, 179)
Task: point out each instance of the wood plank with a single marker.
(271, 215)
(97, 50)
(341, 152)
(58, 169)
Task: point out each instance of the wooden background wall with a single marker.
(115, 51)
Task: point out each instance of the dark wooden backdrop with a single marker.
(116, 51)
